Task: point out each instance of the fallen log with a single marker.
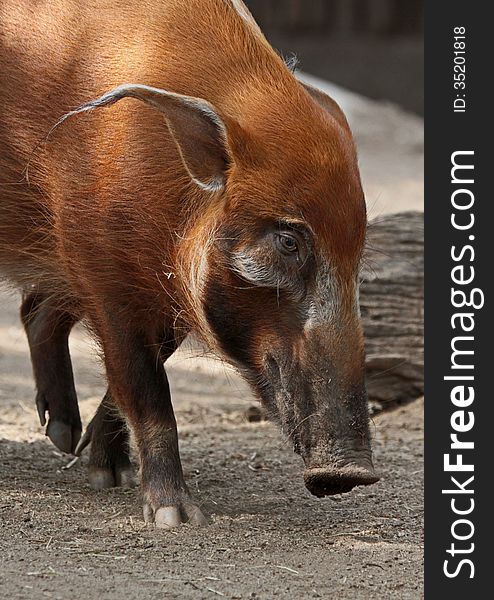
(392, 299)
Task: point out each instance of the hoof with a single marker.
(64, 436)
(169, 517)
(103, 478)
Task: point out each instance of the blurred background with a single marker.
(373, 47)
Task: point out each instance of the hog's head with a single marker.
(272, 262)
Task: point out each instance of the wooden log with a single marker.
(392, 298)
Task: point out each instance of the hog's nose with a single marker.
(327, 481)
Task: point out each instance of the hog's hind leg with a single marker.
(109, 458)
(48, 326)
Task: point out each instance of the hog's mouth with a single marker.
(323, 482)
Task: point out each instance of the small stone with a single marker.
(255, 414)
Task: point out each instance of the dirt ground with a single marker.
(268, 538)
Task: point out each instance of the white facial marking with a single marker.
(254, 271)
(330, 300)
(324, 308)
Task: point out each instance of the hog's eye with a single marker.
(287, 243)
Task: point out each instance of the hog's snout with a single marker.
(322, 404)
(327, 481)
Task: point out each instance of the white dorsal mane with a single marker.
(246, 15)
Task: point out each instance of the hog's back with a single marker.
(97, 171)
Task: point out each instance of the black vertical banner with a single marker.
(459, 322)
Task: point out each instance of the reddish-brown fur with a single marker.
(96, 215)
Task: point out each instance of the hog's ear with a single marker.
(326, 102)
(199, 132)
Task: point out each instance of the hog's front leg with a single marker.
(139, 387)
